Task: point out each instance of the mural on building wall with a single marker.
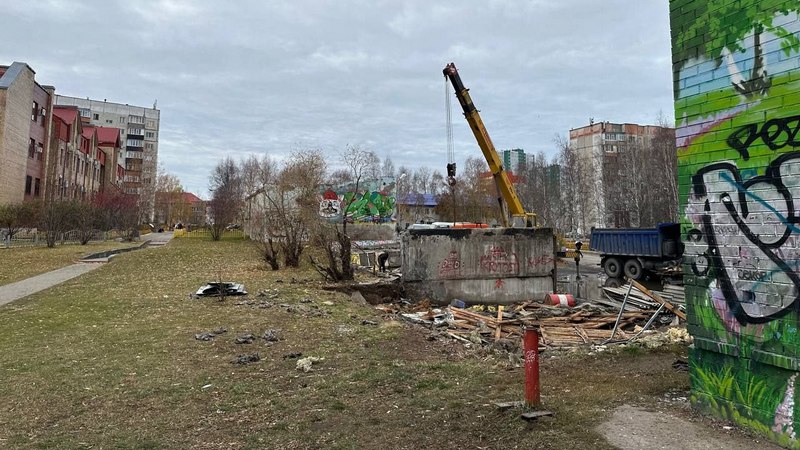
(737, 108)
(368, 206)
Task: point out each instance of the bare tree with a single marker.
(16, 216)
(226, 196)
(573, 213)
(83, 217)
(54, 219)
(388, 167)
(474, 198)
(336, 242)
(118, 211)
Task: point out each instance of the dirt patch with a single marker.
(633, 428)
(373, 293)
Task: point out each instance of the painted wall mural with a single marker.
(737, 107)
(373, 206)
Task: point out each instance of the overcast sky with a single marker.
(253, 77)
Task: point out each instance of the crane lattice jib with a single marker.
(485, 143)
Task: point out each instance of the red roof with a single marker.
(191, 198)
(108, 137)
(66, 113)
(88, 132)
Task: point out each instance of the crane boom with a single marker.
(510, 201)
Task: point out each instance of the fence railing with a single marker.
(206, 233)
(33, 237)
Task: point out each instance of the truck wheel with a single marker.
(612, 267)
(633, 269)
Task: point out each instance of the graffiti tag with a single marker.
(758, 284)
(775, 133)
(450, 267)
(497, 260)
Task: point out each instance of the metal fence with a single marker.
(32, 237)
(206, 233)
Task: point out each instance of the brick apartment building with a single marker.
(138, 128)
(48, 151)
(25, 114)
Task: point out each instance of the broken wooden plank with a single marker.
(655, 297)
(498, 329)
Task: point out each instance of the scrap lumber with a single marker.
(672, 308)
(498, 328)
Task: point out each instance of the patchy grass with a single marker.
(19, 263)
(109, 360)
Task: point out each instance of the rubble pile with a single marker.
(586, 324)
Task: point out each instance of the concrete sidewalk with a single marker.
(26, 287)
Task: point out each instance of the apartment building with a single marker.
(48, 151)
(600, 148)
(138, 128)
(83, 159)
(25, 113)
(514, 160)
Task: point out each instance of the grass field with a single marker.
(110, 360)
(19, 263)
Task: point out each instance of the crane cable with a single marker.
(448, 123)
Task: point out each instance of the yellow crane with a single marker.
(513, 212)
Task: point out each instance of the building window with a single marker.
(95, 116)
(32, 148)
(36, 188)
(109, 121)
(121, 120)
(151, 124)
(39, 151)
(28, 182)
(150, 134)
(35, 111)
(148, 146)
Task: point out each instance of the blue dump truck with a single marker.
(632, 251)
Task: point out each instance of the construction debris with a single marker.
(245, 339)
(268, 293)
(272, 336)
(305, 364)
(209, 335)
(220, 289)
(246, 359)
(586, 324)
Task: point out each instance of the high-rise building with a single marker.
(600, 148)
(139, 128)
(514, 160)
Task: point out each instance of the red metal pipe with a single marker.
(531, 349)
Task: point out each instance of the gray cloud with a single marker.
(234, 78)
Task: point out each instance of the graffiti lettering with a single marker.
(761, 285)
(775, 134)
(450, 267)
(540, 261)
(499, 261)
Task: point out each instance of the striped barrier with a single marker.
(565, 300)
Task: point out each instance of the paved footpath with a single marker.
(28, 286)
(24, 288)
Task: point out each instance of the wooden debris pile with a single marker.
(638, 300)
(558, 327)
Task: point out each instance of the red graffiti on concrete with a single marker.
(450, 267)
(499, 283)
(499, 261)
(537, 261)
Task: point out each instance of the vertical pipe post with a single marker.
(531, 349)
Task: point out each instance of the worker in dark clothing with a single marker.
(382, 258)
